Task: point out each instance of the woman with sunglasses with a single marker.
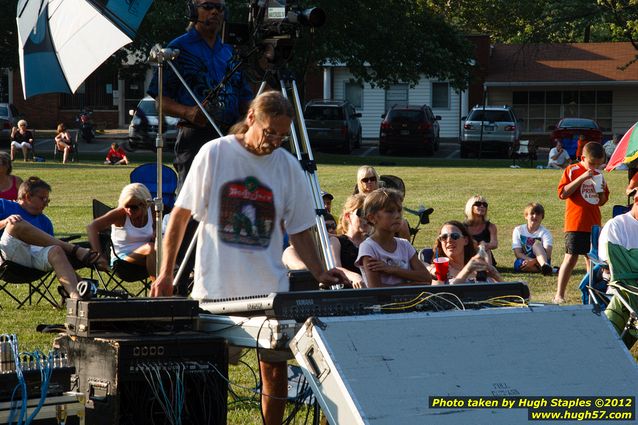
(132, 229)
(479, 226)
(9, 183)
(368, 180)
(455, 243)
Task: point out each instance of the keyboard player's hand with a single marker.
(333, 277)
(163, 286)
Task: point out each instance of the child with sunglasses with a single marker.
(384, 259)
(455, 243)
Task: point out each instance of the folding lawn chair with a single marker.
(39, 283)
(523, 149)
(147, 175)
(621, 311)
(593, 286)
(121, 271)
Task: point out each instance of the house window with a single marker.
(440, 96)
(396, 94)
(542, 109)
(354, 94)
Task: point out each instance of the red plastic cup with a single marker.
(441, 266)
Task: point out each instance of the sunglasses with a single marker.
(454, 236)
(331, 226)
(133, 207)
(212, 6)
(480, 204)
(369, 179)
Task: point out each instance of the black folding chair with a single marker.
(121, 271)
(38, 283)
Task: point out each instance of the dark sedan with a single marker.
(414, 128)
(569, 129)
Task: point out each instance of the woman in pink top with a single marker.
(9, 183)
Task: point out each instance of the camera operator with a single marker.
(203, 62)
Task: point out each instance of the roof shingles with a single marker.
(574, 62)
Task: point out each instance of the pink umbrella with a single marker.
(626, 150)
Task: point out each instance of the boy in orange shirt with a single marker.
(582, 209)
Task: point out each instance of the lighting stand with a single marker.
(158, 57)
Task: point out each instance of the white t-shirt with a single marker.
(242, 200)
(621, 230)
(523, 239)
(562, 159)
(400, 257)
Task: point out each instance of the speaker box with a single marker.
(146, 379)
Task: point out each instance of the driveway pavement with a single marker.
(448, 149)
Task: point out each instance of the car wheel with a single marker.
(359, 140)
(437, 145)
(383, 150)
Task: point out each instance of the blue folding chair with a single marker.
(147, 175)
(570, 145)
(592, 286)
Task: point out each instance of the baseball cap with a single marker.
(327, 194)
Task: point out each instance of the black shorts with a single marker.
(577, 243)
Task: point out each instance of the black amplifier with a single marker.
(159, 380)
(111, 317)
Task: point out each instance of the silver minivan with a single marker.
(489, 129)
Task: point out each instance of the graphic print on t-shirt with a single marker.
(247, 213)
(527, 243)
(588, 192)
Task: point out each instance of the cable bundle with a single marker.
(16, 361)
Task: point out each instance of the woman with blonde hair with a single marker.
(352, 230)
(479, 226)
(9, 183)
(63, 142)
(367, 180)
(132, 228)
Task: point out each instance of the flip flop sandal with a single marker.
(90, 259)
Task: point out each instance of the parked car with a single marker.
(333, 123)
(409, 127)
(142, 130)
(568, 130)
(489, 129)
(9, 117)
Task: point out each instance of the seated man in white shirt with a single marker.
(621, 232)
(558, 157)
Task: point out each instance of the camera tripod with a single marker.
(301, 148)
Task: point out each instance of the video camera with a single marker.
(272, 28)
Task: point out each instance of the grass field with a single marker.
(443, 185)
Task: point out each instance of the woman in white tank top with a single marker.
(132, 228)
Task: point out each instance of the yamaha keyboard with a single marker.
(350, 302)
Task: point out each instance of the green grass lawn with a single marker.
(443, 185)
